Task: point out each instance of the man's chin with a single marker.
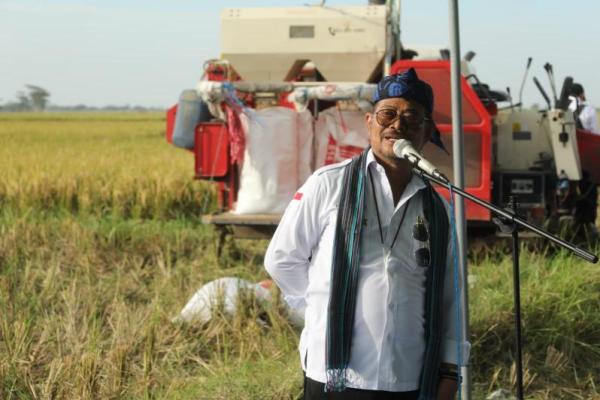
(388, 148)
(389, 156)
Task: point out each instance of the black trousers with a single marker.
(314, 390)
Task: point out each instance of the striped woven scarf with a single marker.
(344, 280)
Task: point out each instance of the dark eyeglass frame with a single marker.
(421, 235)
(405, 118)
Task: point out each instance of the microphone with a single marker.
(404, 149)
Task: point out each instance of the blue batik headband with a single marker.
(408, 86)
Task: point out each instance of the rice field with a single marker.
(101, 246)
(94, 164)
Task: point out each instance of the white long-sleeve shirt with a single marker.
(587, 114)
(589, 119)
(388, 341)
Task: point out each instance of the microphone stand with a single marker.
(510, 222)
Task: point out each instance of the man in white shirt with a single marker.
(365, 247)
(586, 113)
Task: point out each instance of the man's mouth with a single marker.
(392, 135)
(391, 138)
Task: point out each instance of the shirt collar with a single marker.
(415, 184)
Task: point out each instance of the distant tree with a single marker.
(23, 102)
(38, 97)
(34, 98)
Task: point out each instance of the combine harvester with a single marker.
(289, 96)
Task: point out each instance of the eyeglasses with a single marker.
(387, 116)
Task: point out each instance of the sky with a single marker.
(109, 52)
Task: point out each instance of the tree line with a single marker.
(32, 98)
(35, 99)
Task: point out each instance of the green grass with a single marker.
(560, 296)
(87, 292)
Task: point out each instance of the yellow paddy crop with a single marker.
(95, 163)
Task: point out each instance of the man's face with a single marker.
(393, 119)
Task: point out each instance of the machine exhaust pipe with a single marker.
(542, 91)
(550, 72)
(524, 78)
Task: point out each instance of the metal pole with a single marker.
(459, 178)
(514, 205)
(389, 40)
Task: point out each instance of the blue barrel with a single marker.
(191, 110)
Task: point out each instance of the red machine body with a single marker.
(212, 145)
(171, 112)
(213, 162)
(477, 130)
(537, 156)
(589, 151)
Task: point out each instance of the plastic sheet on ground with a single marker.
(222, 294)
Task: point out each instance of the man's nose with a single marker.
(397, 124)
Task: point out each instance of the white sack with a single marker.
(205, 301)
(339, 135)
(305, 146)
(225, 291)
(277, 159)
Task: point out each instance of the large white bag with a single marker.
(220, 292)
(225, 292)
(305, 133)
(277, 159)
(339, 135)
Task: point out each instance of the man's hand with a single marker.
(446, 389)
